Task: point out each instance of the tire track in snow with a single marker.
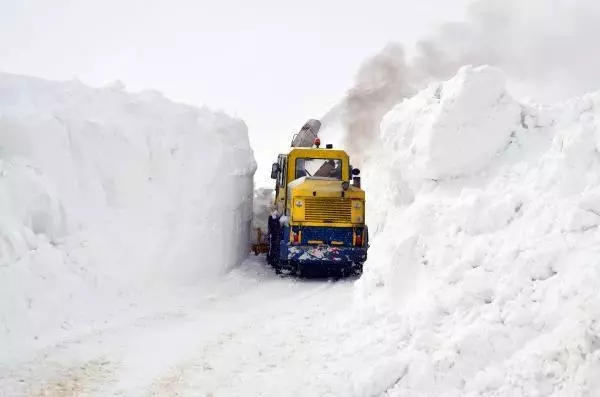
(65, 368)
(163, 347)
(252, 270)
(251, 302)
(184, 379)
(87, 377)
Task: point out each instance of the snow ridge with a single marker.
(486, 220)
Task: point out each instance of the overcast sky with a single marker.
(272, 63)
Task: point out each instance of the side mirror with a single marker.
(274, 170)
(355, 172)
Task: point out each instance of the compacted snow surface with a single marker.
(251, 334)
(117, 266)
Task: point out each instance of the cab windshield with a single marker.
(325, 168)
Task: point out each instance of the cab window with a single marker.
(282, 164)
(315, 167)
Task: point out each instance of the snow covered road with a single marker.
(482, 278)
(103, 286)
(252, 334)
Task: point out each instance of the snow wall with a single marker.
(485, 259)
(106, 195)
(262, 208)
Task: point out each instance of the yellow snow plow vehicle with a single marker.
(318, 215)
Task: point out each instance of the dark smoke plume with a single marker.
(547, 48)
(381, 82)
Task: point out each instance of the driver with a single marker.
(336, 172)
(329, 169)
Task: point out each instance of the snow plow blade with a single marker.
(325, 255)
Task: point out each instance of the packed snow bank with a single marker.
(105, 195)
(486, 220)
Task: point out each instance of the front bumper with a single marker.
(323, 255)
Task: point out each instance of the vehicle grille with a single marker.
(328, 210)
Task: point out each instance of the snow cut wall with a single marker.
(105, 194)
(485, 214)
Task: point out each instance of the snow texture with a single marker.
(262, 207)
(106, 197)
(484, 216)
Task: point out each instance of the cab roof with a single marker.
(318, 153)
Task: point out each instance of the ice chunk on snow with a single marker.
(454, 128)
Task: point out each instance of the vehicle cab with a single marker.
(319, 215)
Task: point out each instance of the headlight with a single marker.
(357, 204)
(298, 203)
